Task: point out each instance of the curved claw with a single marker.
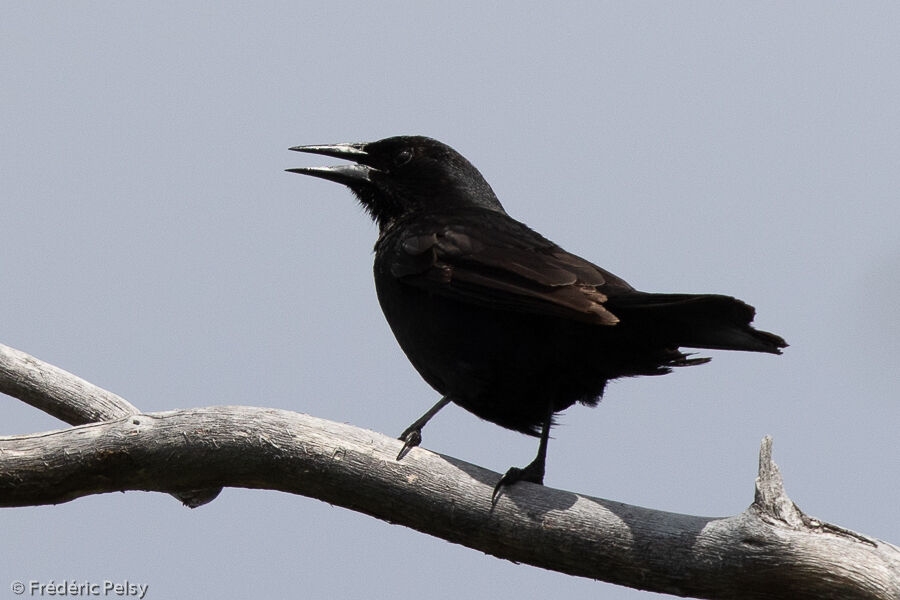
(533, 473)
(510, 477)
(411, 438)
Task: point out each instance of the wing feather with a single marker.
(504, 269)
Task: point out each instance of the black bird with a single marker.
(499, 319)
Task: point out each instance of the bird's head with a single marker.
(404, 176)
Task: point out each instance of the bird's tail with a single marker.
(695, 321)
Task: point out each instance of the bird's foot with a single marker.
(411, 438)
(533, 473)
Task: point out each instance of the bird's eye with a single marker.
(403, 157)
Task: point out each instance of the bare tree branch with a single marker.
(57, 392)
(73, 400)
(771, 550)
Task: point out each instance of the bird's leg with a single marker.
(412, 435)
(534, 472)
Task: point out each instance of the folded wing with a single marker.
(512, 268)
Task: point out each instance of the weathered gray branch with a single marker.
(73, 400)
(771, 550)
(67, 397)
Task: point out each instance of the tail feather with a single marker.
(696, 321)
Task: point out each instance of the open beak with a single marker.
(354, 174)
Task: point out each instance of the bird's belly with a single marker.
(505, 367)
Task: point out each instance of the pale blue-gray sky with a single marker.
(153, 244)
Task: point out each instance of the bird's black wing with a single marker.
(490, 259)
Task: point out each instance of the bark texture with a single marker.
(771, 550)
